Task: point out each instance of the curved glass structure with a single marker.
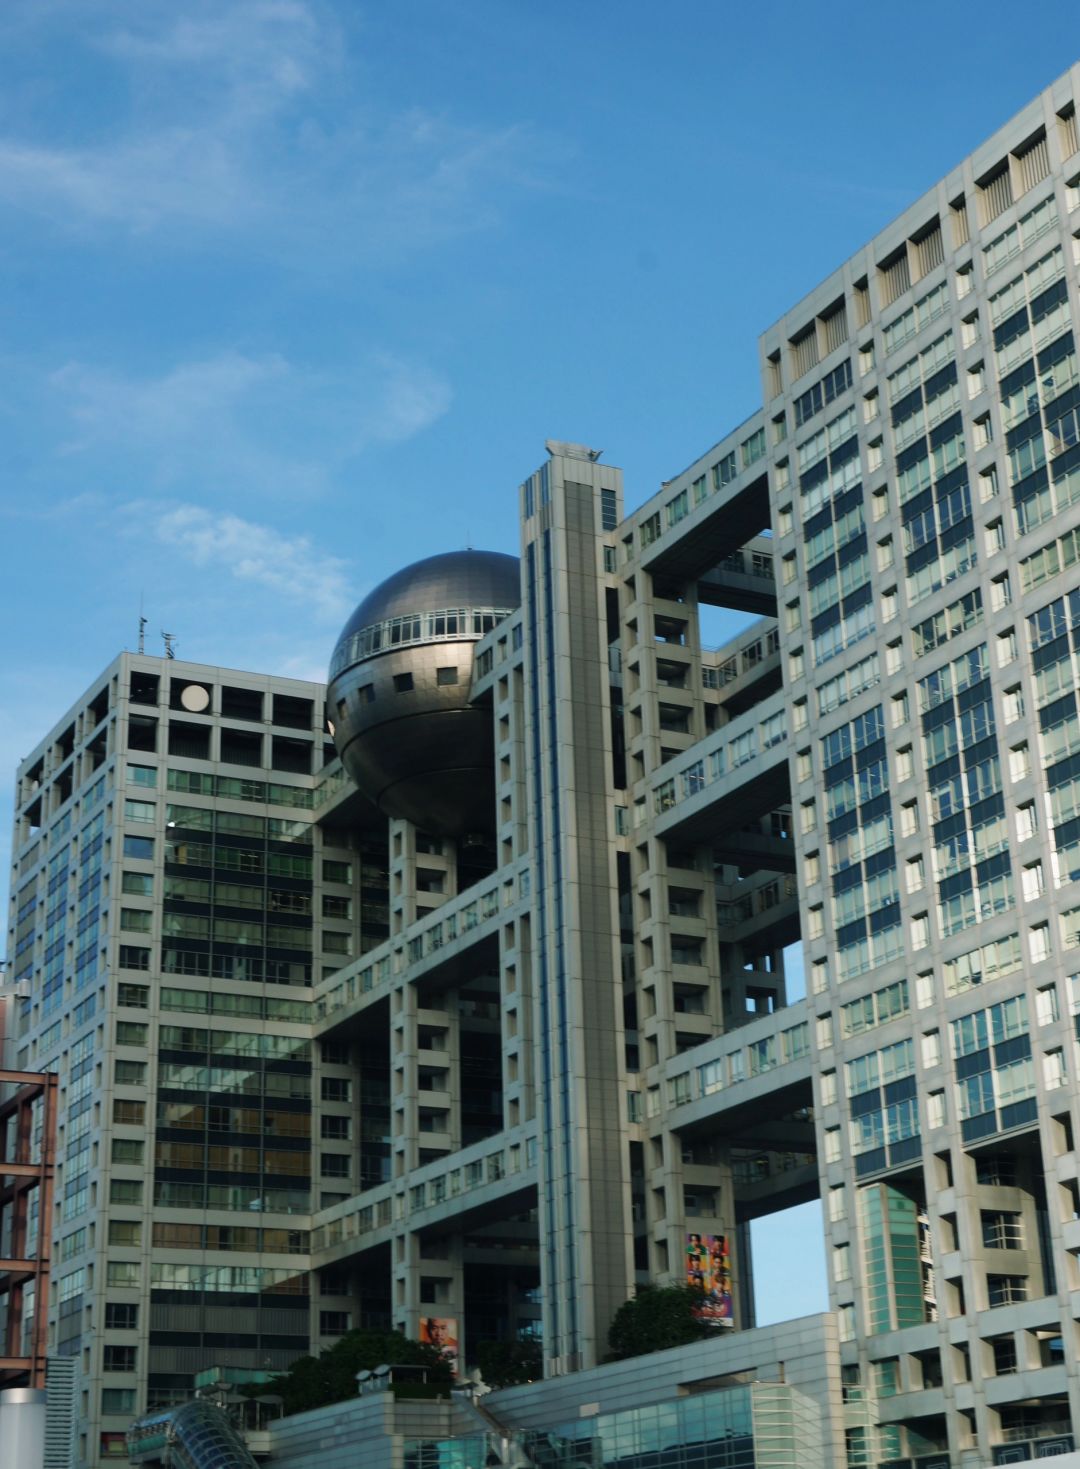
(446, 625)
(197, 1435)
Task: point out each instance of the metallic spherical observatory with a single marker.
(400, 680)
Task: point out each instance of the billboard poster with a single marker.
(441, 1332)
(708, 1270)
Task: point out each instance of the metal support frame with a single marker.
(27, 1166)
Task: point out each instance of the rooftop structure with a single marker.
(399, 690)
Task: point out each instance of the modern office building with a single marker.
(883, 765)
(170, 896)
(545, 901)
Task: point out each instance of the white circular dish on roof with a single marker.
(195, 699)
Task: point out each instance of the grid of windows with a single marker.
(883, 1099)
(862, 859)
(995, 1076)
(963, 774)
(1054, 641)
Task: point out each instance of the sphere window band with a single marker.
(416, 627)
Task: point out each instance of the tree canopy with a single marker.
(506, 1363)
(656, 1318)
(312, 1382)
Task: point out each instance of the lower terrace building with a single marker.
(551, 885)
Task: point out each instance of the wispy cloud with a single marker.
(225, 127)
(167, 407)
(408, 401)
(234, 423)
(274, 43)
(178, 174)
(291, 567)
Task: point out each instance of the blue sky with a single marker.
(292, 291)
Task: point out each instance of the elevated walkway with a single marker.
(712, 532)
(440, 950)
(743, 581)
(467, 1188)
(197, 1435)
(735, 775)
(753, 1088)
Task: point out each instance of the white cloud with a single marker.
(409, 400)
(276, 39)
(178, 173)
(291, 567)
(252, 117)
(175, 404)
(235, 424)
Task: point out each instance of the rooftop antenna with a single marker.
(170, 639)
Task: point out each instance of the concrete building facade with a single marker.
(881, 766)
(554, 1051)
(170, 897)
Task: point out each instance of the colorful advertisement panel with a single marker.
(708, 1270)
(441, 1332)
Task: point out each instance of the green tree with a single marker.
(657, 1317)
(312, 1382)
(506, 1363)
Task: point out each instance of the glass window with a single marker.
(125, 1191)
(125, 1232)
(122, 1273)
(119, 1400)
(197, 782)
(1046, 1005)
(119, 1359)
(1054, 1073)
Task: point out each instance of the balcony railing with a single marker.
(732, 748)
(454, 920)
(760, 900)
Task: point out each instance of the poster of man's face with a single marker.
(441, 1332)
